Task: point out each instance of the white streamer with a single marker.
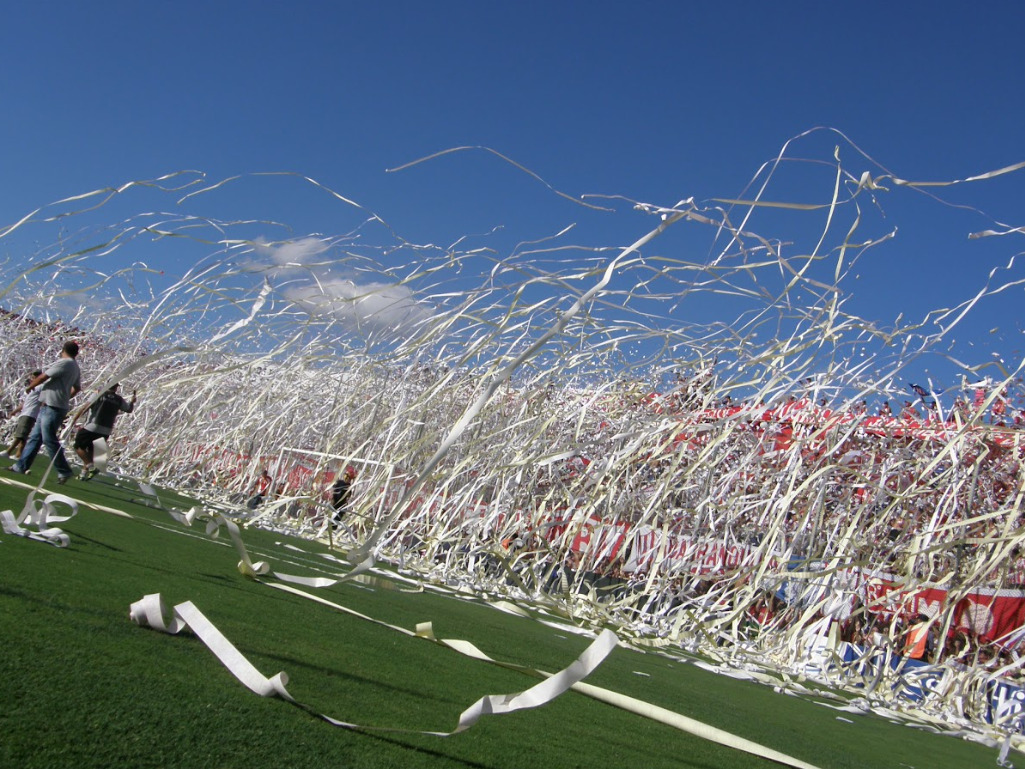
(40, 514)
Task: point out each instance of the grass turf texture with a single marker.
(82, 686)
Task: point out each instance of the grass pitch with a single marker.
(82, 686)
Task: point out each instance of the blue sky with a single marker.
(656, 102)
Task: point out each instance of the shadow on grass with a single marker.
(293, 664)
(80, 536)
(374, 734)
(50, 602)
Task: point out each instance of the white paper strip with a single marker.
(40, 515)
(150, 611)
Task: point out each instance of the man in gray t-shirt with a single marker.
(58, 384)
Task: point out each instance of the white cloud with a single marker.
(307, 278)
(294, 253)
(370, 307)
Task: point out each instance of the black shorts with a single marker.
(24, 427)
(84, 438)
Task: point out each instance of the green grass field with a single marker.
(83, 686)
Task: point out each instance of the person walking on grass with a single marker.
(58, 384)
(102, 413)
(26, 419)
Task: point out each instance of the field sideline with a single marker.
(83, 686)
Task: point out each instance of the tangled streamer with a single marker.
(677, 436)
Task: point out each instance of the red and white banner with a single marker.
(990, 614)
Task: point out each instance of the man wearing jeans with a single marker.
(58, 384)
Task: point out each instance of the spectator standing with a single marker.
(919, 640)
(26, 418)
(58, 384)
(341, 492)
(102, 414)
(261, 489)
(909, 412)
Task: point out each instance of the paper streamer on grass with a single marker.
(689, 725)
(150, 611)
(653, 712)
(631, 704)
(216, 520)
(544, 692)
(40, 514)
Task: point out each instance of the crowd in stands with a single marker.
(929, 493)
